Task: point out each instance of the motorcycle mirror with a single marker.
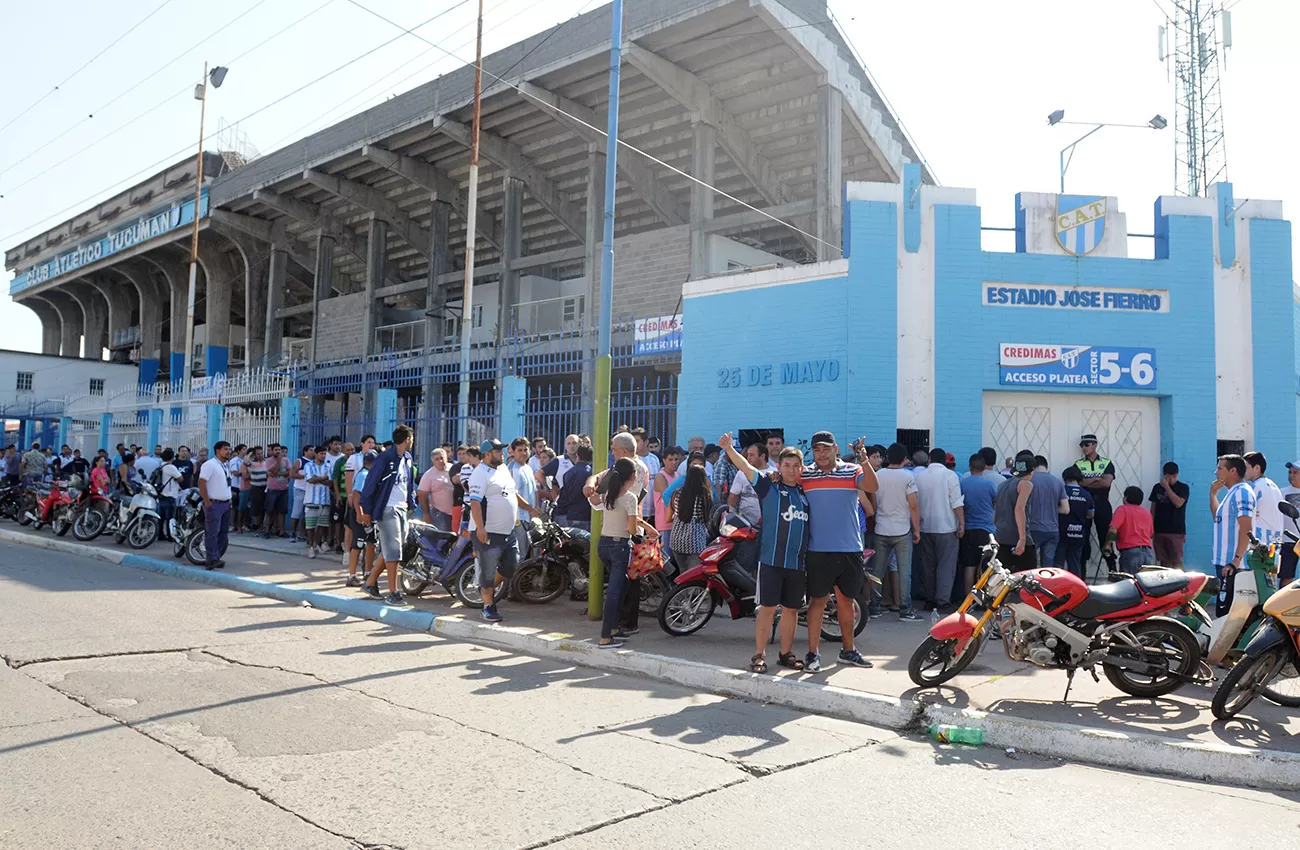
(1288, 509)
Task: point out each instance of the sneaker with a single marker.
(293, 538)
(628, 632)
(875, 613)
(354, 581)
(490, 614)
(372, 590)
(394, 599)
(311, 551)
(908, 616)
(613, 644)
(852, 656)
(812, 663)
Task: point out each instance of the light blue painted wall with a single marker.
(1273, 340)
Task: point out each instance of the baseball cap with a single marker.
(490, 446)
(1293, 464)
(823, 438)
(1087, 438)
(949, 459)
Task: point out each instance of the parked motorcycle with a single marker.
(48, 503)
(695, 594)
(91, 513)
(61, 522)
(186, 527)
(11, 502)
(431, 555)
(1270, 664)
(560, 562)
(1051, 618)
(138, 520)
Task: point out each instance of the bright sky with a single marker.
(973, 89)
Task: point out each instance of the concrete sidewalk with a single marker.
(1016, 705)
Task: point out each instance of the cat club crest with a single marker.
(1080, 223)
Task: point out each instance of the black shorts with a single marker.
(257, 502)
(779, 586)
(277, 502)
(828, 570)
(971, 547)
(1027, 560)
(360, 534)
(336, 514)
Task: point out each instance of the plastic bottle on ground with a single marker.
(947, 734)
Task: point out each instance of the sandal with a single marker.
(789, 659)
(758, 664)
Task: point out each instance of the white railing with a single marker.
(251, 427)
(179, 430)
(253, 385)
(84, 435)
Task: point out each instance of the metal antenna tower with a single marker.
(1202, 31)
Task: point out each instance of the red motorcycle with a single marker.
(53, 508)
(1051, 618)
(90, 512)
(719, 578)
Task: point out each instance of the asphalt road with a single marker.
(141, 711)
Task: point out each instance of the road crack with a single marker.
(19, 664)
(215, 771)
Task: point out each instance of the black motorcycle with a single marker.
(12, 498)
(186, 527)
(561, 557)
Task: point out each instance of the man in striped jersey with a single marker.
(1233, 515)
(1268, 519)
(784, 509)
(834, 557)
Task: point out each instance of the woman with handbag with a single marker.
(688, 511)
(621, 527)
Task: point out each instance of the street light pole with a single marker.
(471, 222)
(1065, 163)
(1156, 123)
(202, 93)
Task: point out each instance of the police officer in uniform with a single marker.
(1098, 474)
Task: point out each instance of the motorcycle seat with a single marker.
(432, 532)
(1161, 582)
(1103, 599)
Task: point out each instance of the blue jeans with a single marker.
(887, 545)
(1045, 542)
(615, 553)
(1069, 553)
(1135, 558)
(440, 521)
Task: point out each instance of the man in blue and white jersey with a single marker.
(784, 540)
(1233, 515)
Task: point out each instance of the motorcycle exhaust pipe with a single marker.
(33, 517)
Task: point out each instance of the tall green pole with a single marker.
(604, 360)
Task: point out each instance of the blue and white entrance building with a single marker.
(919, 334)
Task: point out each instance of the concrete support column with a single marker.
(322, 286)
(435, 299)
(220, 272)
(595, 238)
(118, 295)
(385, 412)
(155, 425)
(514, 404)
(51, 324)
(95, 310)
(71, 321)
(277, 284)
(256, 260)
(291, 422)
(215, 418)
(829, 218)
(376, 267)
(703, 156)
(512, 247)
(151, 301)
(174, 287)
(65, 426)
(105, 426)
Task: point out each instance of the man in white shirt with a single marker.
(354, 464)
(494, 509)
(536, 462)
(652, 467)
(1268, 523)
(214, 487)
(316, 510)
(898, 529)
(333, 454)
(943, 522)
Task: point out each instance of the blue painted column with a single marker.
(177, 365)
(149, 367)
(26, 432)
(216, 416)
(155, 425)
(385, 413)
(514, 399)
(291, 423)
(216, 361)
(65, 425)
(105, 425)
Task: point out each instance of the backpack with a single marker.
(155, 478)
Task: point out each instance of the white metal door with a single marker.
(1127, 429)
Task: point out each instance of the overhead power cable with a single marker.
(84, 66)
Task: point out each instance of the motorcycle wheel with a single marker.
(195, 551)
(88, 525)
(934, 653)
(25, 507)
(143, 533)
(686, 608)
(1284, 688)
(1245, 682)
(831, 620)
(1169, 643)
(178, 545)
(465, 587)
(538, 581)
(410, 585)
(653, 589)
(62, 523)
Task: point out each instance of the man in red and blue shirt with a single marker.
(835, 543)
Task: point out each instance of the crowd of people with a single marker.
(904, 524)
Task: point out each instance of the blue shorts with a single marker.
(499, 556)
